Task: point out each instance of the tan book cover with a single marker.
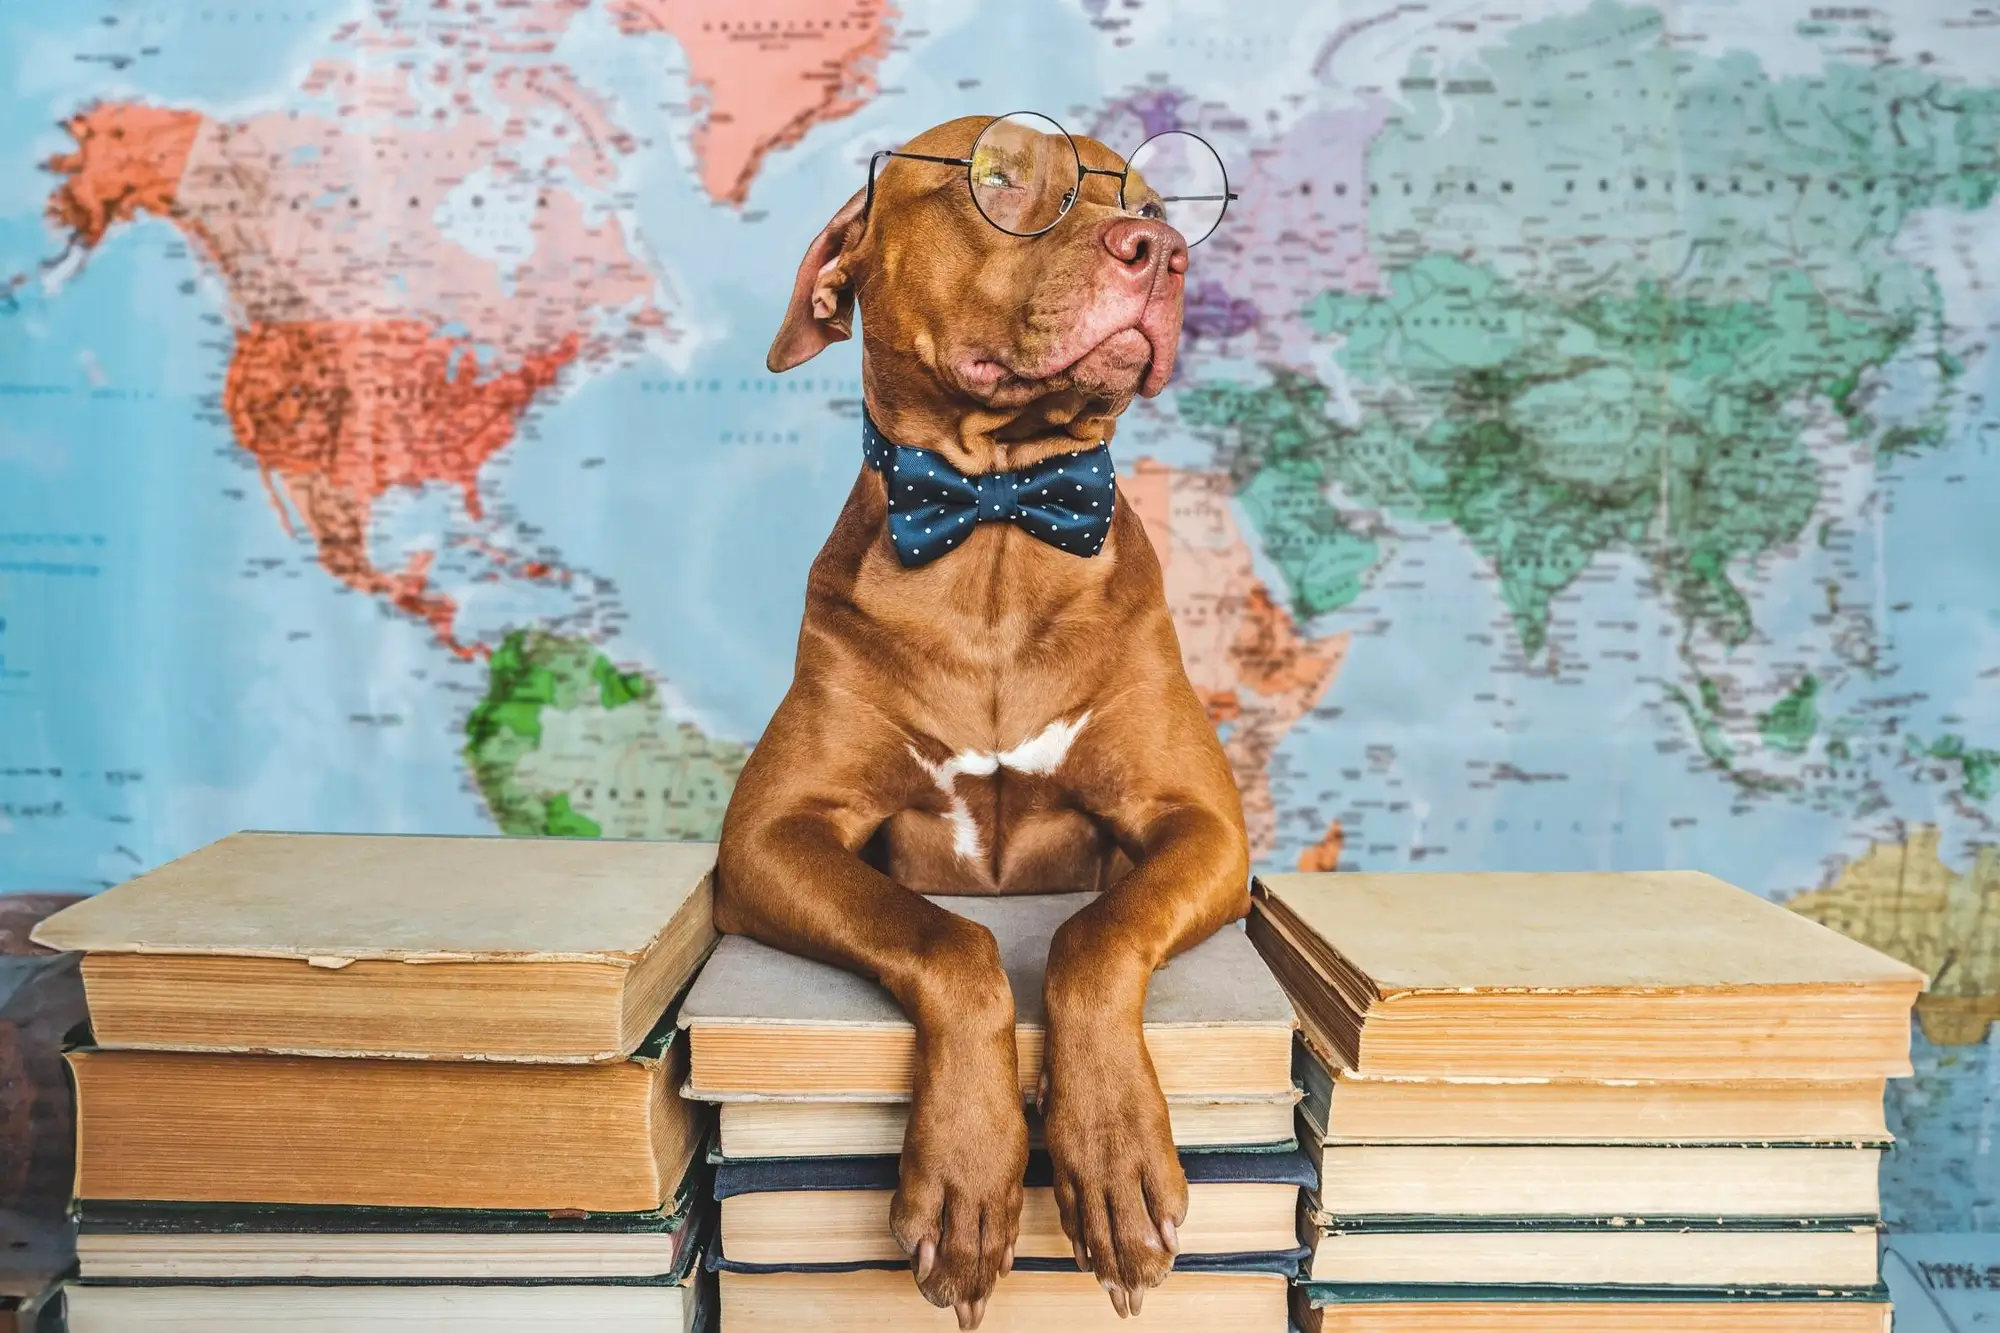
(1453, 1310)
(1341, 1106)
(1667, 976)
(822, 1226)
(426, 947)
(182, 1127)
(437, 1307)
(1478, 1252)
(767, 1024)
(1381, 1110)
(1582, 931)
(757, 1129)
(1585, 1180)
(872, 1300)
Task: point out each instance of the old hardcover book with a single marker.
(27, 1313)
(440, 948)
(836, 1211)
(762, 1129)
(1670, 976)
(766, 1024)
(185, 1127)
(1576, 1180)
(156, 1243)
(658, 1305)
(41, 1004)
(1341, 1106)
(1327, 1308)
(870, 1300)
(1621, 1251)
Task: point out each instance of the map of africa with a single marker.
(1581, 454)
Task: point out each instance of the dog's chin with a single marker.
(1115, 369)
(1123, 365)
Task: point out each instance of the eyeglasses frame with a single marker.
(880, 155)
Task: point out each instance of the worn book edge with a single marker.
(1355, 1293)
(1893, 976)
(1276, 1098)
(74, 928)
(616, 958)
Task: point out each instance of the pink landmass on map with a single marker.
(339, 412)
(1300, 229)
(308, 218)
(767, 71)
(128, 160)
(595, 139)
(1256, 673)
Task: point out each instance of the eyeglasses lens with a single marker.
(1024, 172)
(1186, 175)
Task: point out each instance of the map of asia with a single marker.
(1583, 452)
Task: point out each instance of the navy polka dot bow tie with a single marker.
(1065, 501)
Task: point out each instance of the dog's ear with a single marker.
(822, 308)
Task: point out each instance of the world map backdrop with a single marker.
(1581, 454)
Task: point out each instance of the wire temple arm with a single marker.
(875, 161)
(926, 157)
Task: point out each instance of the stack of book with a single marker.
(355, 1082)
(1583, 1102)
(813, 1068)
(41, 1003)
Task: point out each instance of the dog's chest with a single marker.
(998, 820)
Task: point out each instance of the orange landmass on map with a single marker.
(767, 70)
(343, 384)
(128, 159)
(1223, 706)
(1244, 654)
(340, 413)
(1325, 854)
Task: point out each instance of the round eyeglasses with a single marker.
(1025, 174)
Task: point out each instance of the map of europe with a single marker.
(1580, 457)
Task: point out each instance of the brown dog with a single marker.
(1009, 718)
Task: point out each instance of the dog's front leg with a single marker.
(795, 882)
(1118, 1182)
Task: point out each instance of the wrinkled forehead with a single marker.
(955, 138)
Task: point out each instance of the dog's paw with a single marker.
(1118, 1182)
(957, 1210)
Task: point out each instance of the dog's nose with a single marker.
(1141, 245)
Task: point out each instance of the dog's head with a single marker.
(975, 336)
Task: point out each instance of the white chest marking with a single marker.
(1040, 754)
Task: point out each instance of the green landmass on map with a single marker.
(564, 744)
(1549, 431)
(1614, 338)
(1703, 716)
(1979, 769)
(1792, 722)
